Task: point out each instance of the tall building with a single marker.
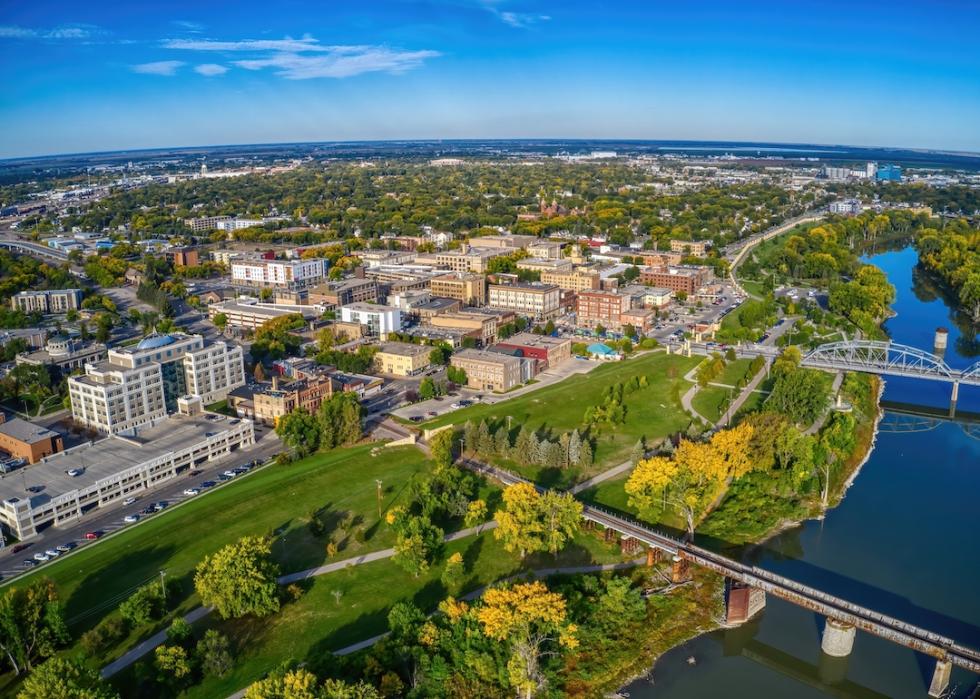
(48, 301)
(572, 280)
(465, 287)
(537, 300)
(696, 248)
(889, 173)
(488, 371)
(140, 384)
(603, 308)
(285, 274)
(380, 320)
(472, 260)
(687, 279)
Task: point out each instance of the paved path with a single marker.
(822, 420)
(750, 387)
(157, 639)
(604, 476)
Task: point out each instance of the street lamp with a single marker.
(378, 481)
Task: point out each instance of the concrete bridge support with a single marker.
(953, 398)
(838, 638)
(653, 556)
(940, 678)
(679, 570)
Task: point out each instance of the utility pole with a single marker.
(378, 481)
(163, 585)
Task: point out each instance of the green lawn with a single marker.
(348, 606)
(710, 401)
(652, 412)
(276, 500)
(734, 372)
(754, 288)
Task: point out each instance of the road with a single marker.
(110, 518)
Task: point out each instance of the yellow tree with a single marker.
(532, 620)
(529, 521)
(732, 450)
(295, 684)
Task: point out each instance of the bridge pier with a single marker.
(940, 678)
(838, 638)
(679, 570)
(953, 398)
(653, 556)
(742, 602)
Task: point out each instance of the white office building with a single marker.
(112, 399)
(278, 274)
(380, 320)
(47, 301)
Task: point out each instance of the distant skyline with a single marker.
(101, 76)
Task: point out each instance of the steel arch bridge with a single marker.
(890, 359)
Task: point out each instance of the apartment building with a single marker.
(271, 274)
(660, 259)
(595, 308)
(488, 371)
(379, 320)
(546, 249)
(402, 358)
(343, 293)
(470, 289)
(205, 223)
(697, 248)
(505, 243)
(47, 301)
(572, 280)
(678, 279)
(537, 300)
(272, 402)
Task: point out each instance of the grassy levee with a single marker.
(652, 412)
(276, 500)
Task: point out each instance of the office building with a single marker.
(482, 327)
(488, 371)
(687, 279)
(474, 259)
(536, 300)
(572, 280)
(467, 288)
(48, 301)
(65, 355)
(379, 320)
(402, 358)
(249, 314)
(272, 402)
(544, 264)
(889, 173)
(271, 274)
(690, 248)
(345, 292)
(548, 351)
(182, 256)
(21, 439)
(113, 399)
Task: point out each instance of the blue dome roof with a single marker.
(154, 341)
(599, 348)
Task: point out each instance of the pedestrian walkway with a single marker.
(744, 395)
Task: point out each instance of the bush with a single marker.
(107, 633)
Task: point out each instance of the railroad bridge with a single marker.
(747, 587)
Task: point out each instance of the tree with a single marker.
(476, 513)
(428, 389)
(799, 394)
(294, 684)
(452, 574)
(65, 678)
(340, 420)
(418, 543)
(441, 446)
(637, 453)
(529, 618)
(239, 579)
(618, 604)
(299, 431)
(143, 606)
(457, 375)
(31, 624)
(214, 654)
(529, 521)
(259, 372)
(440, 354)
(220, 321)
(172, 663)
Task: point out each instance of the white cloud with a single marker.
(65, 31)
(158, 67)
(519, 20)
(188, 26)
(306, 58)
(210, 69)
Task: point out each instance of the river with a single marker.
(904, 541)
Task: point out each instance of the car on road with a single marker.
(432, 413)
(74, 472)
(222, 478)
(416, 418)
(229, 473)
(28, 563)
(65, 548)
(130, 519)
(129, 501)
(455, 406)
(208, 484)
(41, 556)
(20, 547)
(92, 536)
(194, 472)
(52, 553)
(160, 506)
(191, 491)
(148, 510)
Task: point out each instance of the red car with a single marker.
(20, 547)
(93, 535)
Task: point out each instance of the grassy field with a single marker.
(351, 605)
(711, 401)
(276, 500)
(652, 412)
(734, 372)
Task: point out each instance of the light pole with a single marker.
(163, 586)
(378, 481)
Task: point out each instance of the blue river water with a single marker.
(904, 541)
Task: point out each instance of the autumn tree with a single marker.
(441, 446)
(65, 678)
(239, 579)
(172, 663)
(530, 521)
(532, 621)
(452, 574)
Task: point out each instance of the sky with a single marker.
(97, 75)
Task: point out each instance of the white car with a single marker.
(41, 557)
(455, 406)
(52, 553)
(73, 472)
(191, 491)
(129, 519)
(129, 501)
(229, 473)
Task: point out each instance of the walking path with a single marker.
(743, 396)
(822, 420)
(144, 647)
(604, 476)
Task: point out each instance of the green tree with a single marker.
(340, 420)
(143, 606)
(65, 678)
(172, 663)
(418, 543)
(220, 321)
(453, 573)
(441, 446)
(239, 579)
(299, 431)
(214, 653)
(31, 624)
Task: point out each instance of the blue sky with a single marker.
(87, 76)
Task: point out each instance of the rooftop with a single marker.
(404, 349)
(475, 355)
(25, 431)
(532, 340)
(107, 457)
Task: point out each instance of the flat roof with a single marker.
(264, 310)
(532, 340)
(404, 349)
(25, 431)
(107, 457)
(485, 356)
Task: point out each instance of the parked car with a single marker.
(130, 519)
(148, 510)
(191, 491)
(28, 563)
(455, 406)
(229, 473)
(129, 501)
(52, 553)
(222, 478)
(416, 418)
(74, 472)
(91, 536)
(208, 484)
(65, 548)
(160, 506)
(41, 556)
(20, 547)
